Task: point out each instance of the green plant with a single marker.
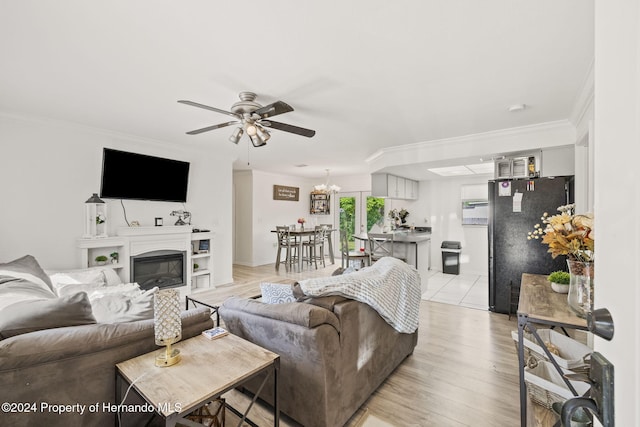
(114, 255)
(101, 258)
(196, 266)
(559, 277)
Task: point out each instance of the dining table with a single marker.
(300, 232)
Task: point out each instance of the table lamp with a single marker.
(167, 325)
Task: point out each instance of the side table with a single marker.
(208, 369)
(540, 305)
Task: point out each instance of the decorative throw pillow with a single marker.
(276, 293)
(23, 279)
(34, 315)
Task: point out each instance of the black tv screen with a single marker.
(141, 177)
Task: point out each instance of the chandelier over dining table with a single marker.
(326, 187)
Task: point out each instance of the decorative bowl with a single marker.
(560, 288)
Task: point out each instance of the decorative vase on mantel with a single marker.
(580, 296)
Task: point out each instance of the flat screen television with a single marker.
(142, 177)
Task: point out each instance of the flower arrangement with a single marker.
(401, 214)
(100, 218)
(566, 234)
(301, 221)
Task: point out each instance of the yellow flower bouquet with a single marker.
(566, 234)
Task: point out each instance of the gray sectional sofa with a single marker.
(334, 353)
(72, 360)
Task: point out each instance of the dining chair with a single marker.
(348, 255)
(326, 238)
(381, 245)
(314, 247)
(289, 243)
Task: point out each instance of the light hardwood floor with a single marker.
(463, 372)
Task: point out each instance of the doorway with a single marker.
(357, 212)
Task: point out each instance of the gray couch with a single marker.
(335, 352)
(53, 352)
(76, 364)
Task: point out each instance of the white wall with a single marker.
(257, 213)
(49, 169)
(617, 196)
(439, 206)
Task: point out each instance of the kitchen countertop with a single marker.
(404, 236)
(411, 236)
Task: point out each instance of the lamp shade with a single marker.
(167, 324)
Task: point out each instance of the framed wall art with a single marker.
(282, 192)
(319, 204)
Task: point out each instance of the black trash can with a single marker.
(451, 257)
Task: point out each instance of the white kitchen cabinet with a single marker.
(393, 187)
(411, 189)
(558, 161)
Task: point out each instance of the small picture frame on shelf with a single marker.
(159, 222)
(203, 247)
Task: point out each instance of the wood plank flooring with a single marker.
(463, 372)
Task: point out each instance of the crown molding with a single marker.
(501, 134)
(583, 105)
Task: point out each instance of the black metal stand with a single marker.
(195, 302)
(524, 322)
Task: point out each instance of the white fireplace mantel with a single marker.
(148, 239)
(154, 231)
(134, 241)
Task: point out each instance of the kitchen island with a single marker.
(414, 246)
(409, 242)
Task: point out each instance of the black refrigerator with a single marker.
(510, 219)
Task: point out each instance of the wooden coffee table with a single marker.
(208, 369)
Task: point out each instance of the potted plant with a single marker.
(114, 257)
(101, 259)
(559, 281)
(195, 267)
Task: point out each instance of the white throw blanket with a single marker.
(390, 286)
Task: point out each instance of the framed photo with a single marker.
(203, 246)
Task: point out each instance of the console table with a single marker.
(208, 369)
(539, 304)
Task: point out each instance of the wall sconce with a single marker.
(167, 325)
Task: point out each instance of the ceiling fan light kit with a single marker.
(252, 118)
(236, 135)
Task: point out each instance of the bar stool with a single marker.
(289, 243)
(314, 247)
(348, 255)
(381, 245)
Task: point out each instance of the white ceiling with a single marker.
(365, 74)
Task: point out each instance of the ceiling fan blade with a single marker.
(206, 107)
(208, 128)
(289, 128)
(274, 109)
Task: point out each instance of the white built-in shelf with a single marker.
(133, 240)
(201, 278)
